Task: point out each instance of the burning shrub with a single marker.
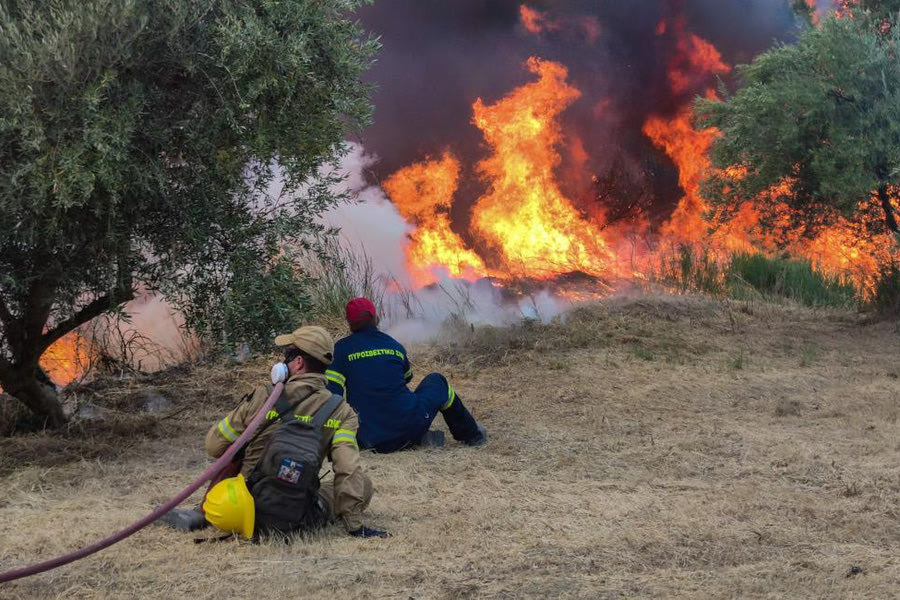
(812, 127)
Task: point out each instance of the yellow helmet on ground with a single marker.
(229, 506)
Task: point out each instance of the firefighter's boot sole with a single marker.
(184, 519)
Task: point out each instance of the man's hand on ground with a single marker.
(369, 532)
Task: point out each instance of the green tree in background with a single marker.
(170, 144)
(820, 117)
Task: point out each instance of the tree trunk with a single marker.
(889, 216)
(27, 337)
(39, 397)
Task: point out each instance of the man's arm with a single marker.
(337, 373)
(224, 432)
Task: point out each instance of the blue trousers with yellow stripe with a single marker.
(436, 395)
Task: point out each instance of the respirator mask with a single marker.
(280, 371)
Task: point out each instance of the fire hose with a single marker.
(158, 512)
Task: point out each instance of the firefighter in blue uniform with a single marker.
(372, 370)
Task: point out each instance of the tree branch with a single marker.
(122, 292)
(36, 312)
(889, 216)
(12, 329)
(839, 95)
(94, 309)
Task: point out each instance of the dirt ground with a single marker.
(649, 446)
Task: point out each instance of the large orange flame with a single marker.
(423, 193)
(847, 248)
(524, 215)
(695, 60)
(688, 149)
(67, 359)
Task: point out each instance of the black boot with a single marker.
(461, 423)
(184, 519)
(480, 439)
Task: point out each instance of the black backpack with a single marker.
(284, 482)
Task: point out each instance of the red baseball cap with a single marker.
(360, 309)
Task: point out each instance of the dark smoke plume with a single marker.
(440, 55)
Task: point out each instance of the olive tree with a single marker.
(140, 144)
(816, 123)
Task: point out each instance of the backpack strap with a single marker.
(283, 408)
(326, 411)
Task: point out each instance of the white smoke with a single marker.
(371, 224)
(150, 337)
(461, 303)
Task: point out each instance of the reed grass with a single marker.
(779, 277)
(754, 276)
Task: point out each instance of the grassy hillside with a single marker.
(648, 446)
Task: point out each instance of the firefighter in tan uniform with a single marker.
(308, 351)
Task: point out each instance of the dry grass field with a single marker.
(650, 446)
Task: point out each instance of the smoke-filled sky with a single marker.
(440, 55)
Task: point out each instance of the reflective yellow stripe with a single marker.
(336, 377)
(226, 430)
(451, 396)
(408, 374)
(331, 423)
(376, 352)
(230, 428)
(345, 435)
